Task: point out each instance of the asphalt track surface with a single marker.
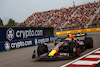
(23, 57)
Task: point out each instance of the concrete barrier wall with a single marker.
(78, 31)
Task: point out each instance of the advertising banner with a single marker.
(14, 33)
(45, 40)
(78, 31)
(8, 45)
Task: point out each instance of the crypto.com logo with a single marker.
(10, 34)
(7, 46)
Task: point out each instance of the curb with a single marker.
(88, 60)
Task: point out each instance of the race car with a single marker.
(79, 34)
(68, 48)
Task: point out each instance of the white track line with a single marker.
(97, 52)
(84, 62)
(80, 57)
(93, 56)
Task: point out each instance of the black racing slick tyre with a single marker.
(88, 42)
(71, 47)
(42, 49)
(55, 44)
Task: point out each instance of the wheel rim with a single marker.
(78, 50)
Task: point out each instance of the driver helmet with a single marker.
(68, 35)
(68, 39)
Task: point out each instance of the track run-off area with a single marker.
(23, 57)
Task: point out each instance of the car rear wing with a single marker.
(79, 34)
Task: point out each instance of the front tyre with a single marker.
(75, 48)
(42, 49)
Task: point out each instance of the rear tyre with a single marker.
(88, 42)
(42, 49)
